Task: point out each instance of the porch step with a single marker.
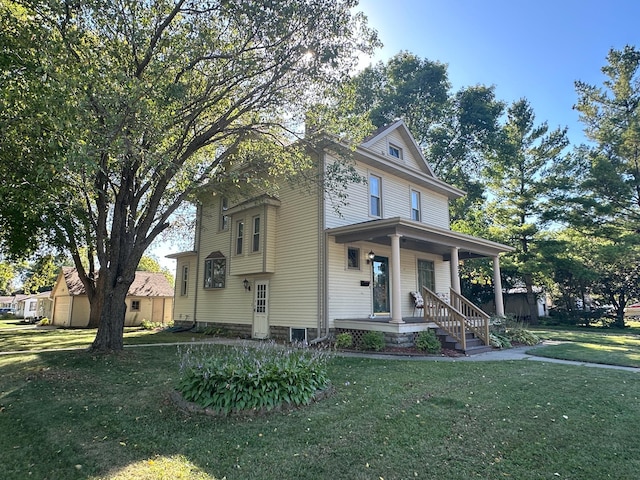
(474, 344)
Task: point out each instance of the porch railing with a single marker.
(475, 319)
(445, 316)
(456, 318)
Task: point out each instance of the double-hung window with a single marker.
(224, 218)
(255, 238)
(415, 205)
(185, 279)
(375, 196)
(426, 275)
(239, 236)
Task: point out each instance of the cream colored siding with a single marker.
(396, 201)
(260, 261)
(435, 209)
(293, 296)
(61, 311)
(443, 275)
(347, 299)
(289, 236)
(231, 304)
(183, 304)
(80, 310)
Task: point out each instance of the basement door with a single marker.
(261, 309)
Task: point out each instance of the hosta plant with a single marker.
(261, 377)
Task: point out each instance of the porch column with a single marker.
(396, 290)
(497, 287)
(455, 270)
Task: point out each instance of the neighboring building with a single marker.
(291, 267)
(516, 303)
(6, 301)
(17, 305)
(150, 298)
(36, 306)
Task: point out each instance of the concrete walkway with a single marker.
(511, 354)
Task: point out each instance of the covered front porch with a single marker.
(447, 309)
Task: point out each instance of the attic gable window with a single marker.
(395, 151)
(215, 269)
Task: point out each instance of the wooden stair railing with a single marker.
(476, 320)
(445, 316)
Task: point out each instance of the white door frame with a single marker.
(260, 309)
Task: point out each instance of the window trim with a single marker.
(211, 265)
(432, 271)
(291, 329)
(184, 284)
(378, 197)
(255, 235)
(357, 258)
(224, 219)
(419, 209)
(239, 247)
(391, 147)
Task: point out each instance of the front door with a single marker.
(261, 309)
(381, 285)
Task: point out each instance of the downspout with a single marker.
(323, 281)
(196, 247)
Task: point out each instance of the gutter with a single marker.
(197, 249)
(323, 282)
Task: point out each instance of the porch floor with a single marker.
(381, 320)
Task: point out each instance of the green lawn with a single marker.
(621, 347)
(71, 415)
(42, 338)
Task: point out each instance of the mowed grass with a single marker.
(71, 415)
(596, 345)
(32, 338)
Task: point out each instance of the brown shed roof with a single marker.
(145, 284)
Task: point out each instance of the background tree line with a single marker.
(571, 212)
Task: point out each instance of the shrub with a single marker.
(519, 334)
(148, 325)
(498, 340)
(372, 341)
(44, 321)
(244, 378)
(427, 341)
(344, 340)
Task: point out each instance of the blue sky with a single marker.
(532, 49)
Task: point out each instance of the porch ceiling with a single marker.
(419, 237)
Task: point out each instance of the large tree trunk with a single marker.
(110, 306)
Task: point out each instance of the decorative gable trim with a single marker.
(402, 129)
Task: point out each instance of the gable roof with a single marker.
(422, 175)
(404, 132)
(145, 284)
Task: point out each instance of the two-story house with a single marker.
(291, 267)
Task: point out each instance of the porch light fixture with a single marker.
(370, 256)
(246, 285)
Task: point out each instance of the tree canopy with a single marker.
(160, 100)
